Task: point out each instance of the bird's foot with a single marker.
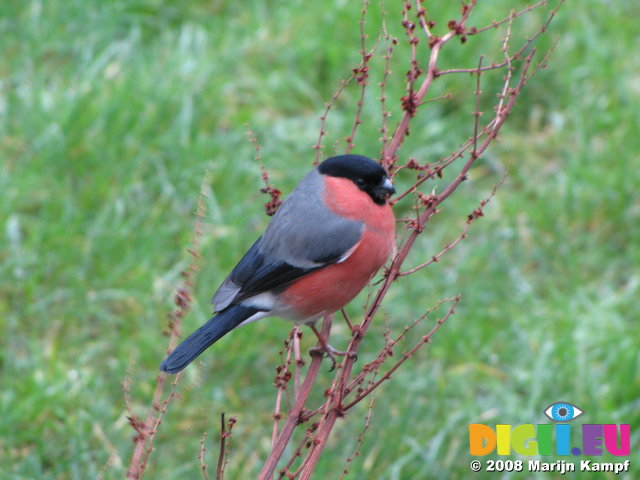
(326, 350)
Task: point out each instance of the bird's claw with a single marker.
(330, 352)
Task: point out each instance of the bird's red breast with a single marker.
(332, 287)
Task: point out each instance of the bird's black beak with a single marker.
(387, 186)
(383, 191)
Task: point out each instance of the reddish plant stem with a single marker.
(517, 14)
(335, 408)
(203, 451)
(147, 429)
(406, 356)
(221, 455)
(403, 127)
(294, 418)
(519, 52)
(281, 383)
(356, 452)
(362, 75)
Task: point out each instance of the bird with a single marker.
(324, 244)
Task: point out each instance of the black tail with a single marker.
(205, 336)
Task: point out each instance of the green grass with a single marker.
(111, 112)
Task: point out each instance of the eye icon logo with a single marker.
(562, 412)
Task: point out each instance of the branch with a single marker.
(436, 44)
(283, 375)
(203, 450)
(295, 414)
(225, 440)
(470, 219)
(476, 31)
(520, 51)
(334, 406)
(362, 67)
(406, 356)
(362, 76)
(146, 430)
(356, 452)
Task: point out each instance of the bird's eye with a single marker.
(562, 411)
(360, 182)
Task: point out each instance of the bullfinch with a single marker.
(322, 247)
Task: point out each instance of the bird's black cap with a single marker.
(367, 174)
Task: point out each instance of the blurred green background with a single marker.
(112, 111)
